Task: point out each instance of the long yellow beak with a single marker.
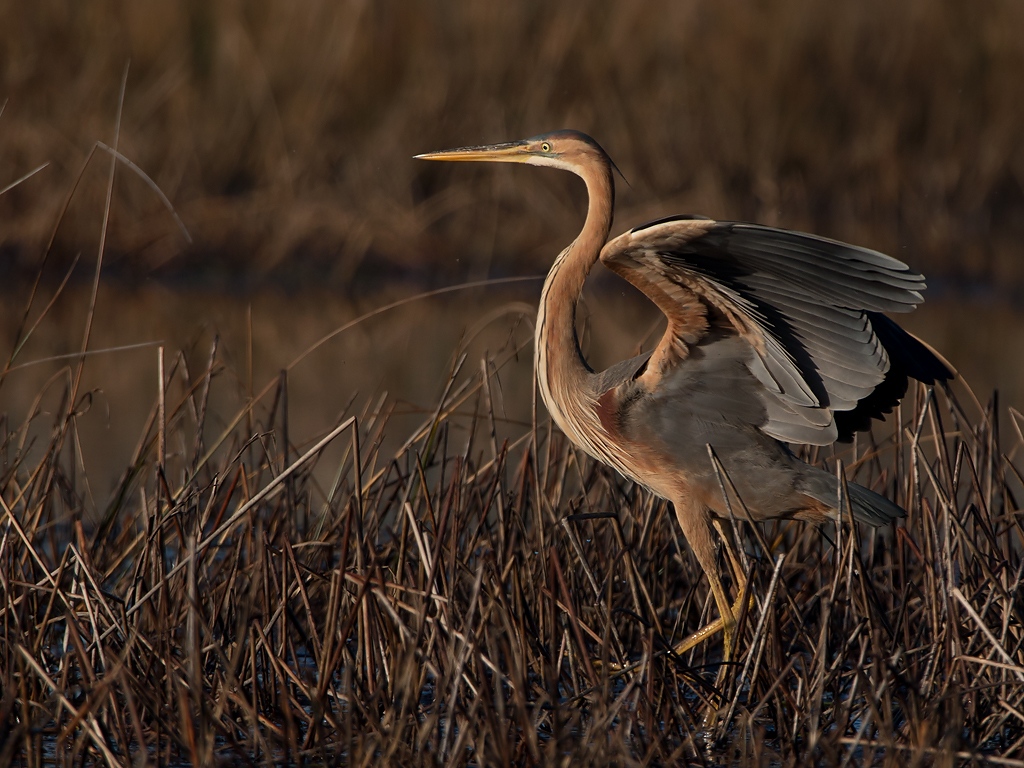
(512, 152)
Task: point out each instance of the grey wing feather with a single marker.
(838, 273)
(814, 302)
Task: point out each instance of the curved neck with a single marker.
(561, 367)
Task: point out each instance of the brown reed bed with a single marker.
(465, 600)
(284, 135)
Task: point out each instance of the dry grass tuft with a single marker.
(461, 601)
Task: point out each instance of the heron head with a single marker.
(568, 150)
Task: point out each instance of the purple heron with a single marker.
(773, 337)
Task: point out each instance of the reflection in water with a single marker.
(407, 352)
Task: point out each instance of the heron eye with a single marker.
(545, 147)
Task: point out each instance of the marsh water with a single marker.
(398, 359)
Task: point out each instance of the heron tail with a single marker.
(872, 508)
(867, 506)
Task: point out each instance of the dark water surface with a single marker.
(407, 352)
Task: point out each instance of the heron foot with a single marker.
(692, 641)
(726, 624)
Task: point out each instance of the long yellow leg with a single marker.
(698, 535)
(740, 580)
(738, 571)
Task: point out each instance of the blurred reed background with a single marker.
(282, 135)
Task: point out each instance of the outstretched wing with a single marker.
(810, 308)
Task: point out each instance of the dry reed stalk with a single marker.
(416, 612)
